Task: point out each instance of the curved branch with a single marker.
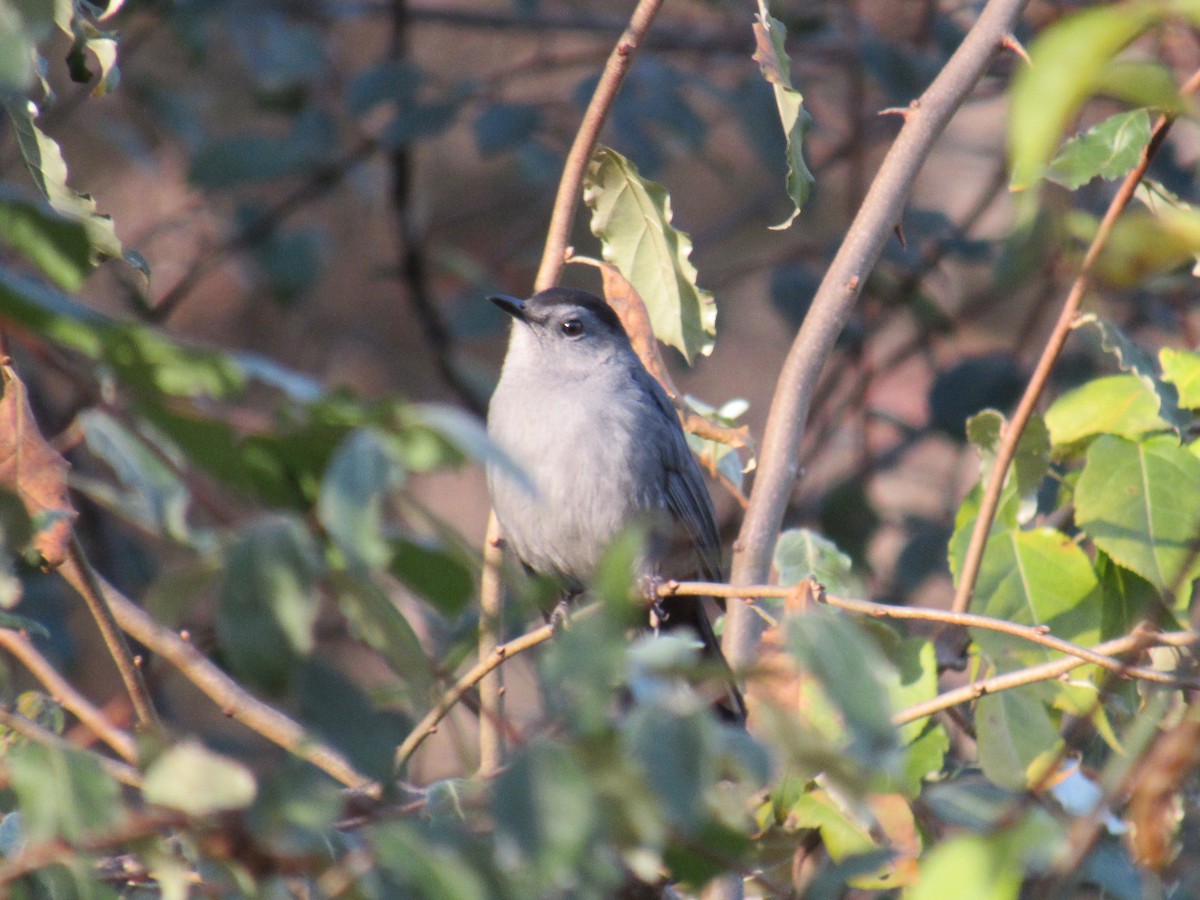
(566, 201)
(118, 771)
(1043, 672)
(65, 694)
(1041, 373)
(231, 697)
(428, 725)
(877, 217)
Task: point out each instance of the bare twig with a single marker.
(881, 209)
(1041, 374)
(78, 573)
(1033, 634)
(566, 201)
(491, 686)
(118, 771)
(66, 695)
(428, 725)
(231, 697)
(1043, 672)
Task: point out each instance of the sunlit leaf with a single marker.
(56, 244)
(1116, 404)
(770, 36)
(1107, 150)
(1017, 739)
(1140, 503)
(801, 553)
(1182, 369)
(632, 218)
(1029, 463)
(193, 779)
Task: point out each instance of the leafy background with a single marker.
(243, 251)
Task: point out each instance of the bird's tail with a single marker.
(689, 612)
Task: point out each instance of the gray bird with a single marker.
(600, 442)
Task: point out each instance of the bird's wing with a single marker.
(687, 496)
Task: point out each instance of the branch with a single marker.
(878, 215)
(428, 725)
(1044, 672)
(566, 201)
(1033, 634)
(231, 697)
(118, 771)
(78, 573)
(1041, 374)
(66, 695)
(491, 686)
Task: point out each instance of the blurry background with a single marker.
(337, 186)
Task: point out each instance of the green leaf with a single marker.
(1128, 599)
(676, 753)
(268, 601)
(1016, 738)
(968, 866)
(632, 218)
(1108, 150)
(1143, 244)
(717, 454)
(770, 36)
(194, 780)
(1140, 503)
(56, 244)
(44, 159)
(850, 670)
(350, 508)
(1182, 369)
(985, 429)
(1133, 359)
(545, 809)
(1116, 404)
(801, 553)
(436, 574)
(151, 493)
(61, 792)
(1068, 62)
(376, 621)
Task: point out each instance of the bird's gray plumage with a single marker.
(601, 444)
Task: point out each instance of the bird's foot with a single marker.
(560, 618)
(649, 587)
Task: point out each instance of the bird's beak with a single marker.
(511, 305)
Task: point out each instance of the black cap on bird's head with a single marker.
(573, 313)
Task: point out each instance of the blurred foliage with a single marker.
(277, 519)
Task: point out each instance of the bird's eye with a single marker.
(572, 328)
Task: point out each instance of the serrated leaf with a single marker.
(194, 780)
(801, 553)
(1132, 358)
(33, 470)
(44, 159)
(632, 218)
(1116, 404)
(1068, 63)
(56, 244)
(1108, 150)
(1182, 369)
(1140, 503)
(770, 36)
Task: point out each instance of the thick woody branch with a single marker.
(877, 217)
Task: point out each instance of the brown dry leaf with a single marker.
(1154, 804)
(895, 819)
(778, 682)
(34, 470)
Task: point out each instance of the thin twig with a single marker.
(566, 201)
(65, 694)
(491, 686)
(831, 306)
(1041, 374)
(1033, 634)
(232, 698)
(118, 771)
(78, 572)
(428, 725)
(1041, 672)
